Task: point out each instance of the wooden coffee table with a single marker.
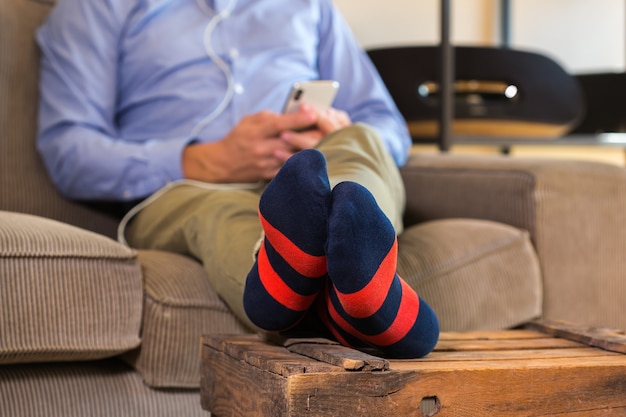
(547, 368)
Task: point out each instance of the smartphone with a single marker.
(319, 94)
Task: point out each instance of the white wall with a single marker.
(582, 35)
(390, 22)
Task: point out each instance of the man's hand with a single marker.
(259, 145)
(328, 121)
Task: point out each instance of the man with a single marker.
(137, 95)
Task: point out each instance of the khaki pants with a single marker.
(221, 227)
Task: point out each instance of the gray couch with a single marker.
(89, 327)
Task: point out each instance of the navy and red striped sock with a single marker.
(366, 301)
(290, 269)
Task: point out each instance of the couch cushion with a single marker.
(105, 388)
(179, 307)
(476, 274)
(65, 293)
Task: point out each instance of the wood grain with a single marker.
(545, 369)
(613, 340)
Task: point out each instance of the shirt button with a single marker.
(234, 53)
(238, 88)
(127, 193)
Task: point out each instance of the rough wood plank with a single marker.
(348, 359)
(331, 352)
(611, 359)
(511, 391)
(231, 387)
(505, 344)
(573, 353)
(492, 335)
(616, 411)
(613, 340)
(255, 352)
(218, 342)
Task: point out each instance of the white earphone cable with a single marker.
(223, 66)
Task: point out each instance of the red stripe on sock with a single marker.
(322, 312)
(369, 299)
(404, 321)
(277, 288)
(307, 265)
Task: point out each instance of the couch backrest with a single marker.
(24, 185)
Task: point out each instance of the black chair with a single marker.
(605, 98)
(498, 92)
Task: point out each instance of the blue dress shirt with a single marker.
(127, 84)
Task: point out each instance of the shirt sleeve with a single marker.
(362, 92)
(78, 138)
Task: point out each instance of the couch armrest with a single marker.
(573, 211)
(66, 294)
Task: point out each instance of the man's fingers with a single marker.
(302, 140)
(271, 124)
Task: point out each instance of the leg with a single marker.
(366, 301)
(290, 269)
(294, 211)
(403, 325)
(357, 154)
(218, 227)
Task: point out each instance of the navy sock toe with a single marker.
(367, 299)
(290, 269)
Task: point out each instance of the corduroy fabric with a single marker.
(475, 274)
(65, 293)
(505, 196)
(24, 184)
(107, 388)
(573, 211)
(180, 306)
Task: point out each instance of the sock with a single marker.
(290, 268)
(366, 301)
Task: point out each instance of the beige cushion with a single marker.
(105, 388)
(65, 293)
(476, 274)
(180, 306)
(572, 209)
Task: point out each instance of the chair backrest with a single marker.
(498, 91)
(605, 98)
(24, 184)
